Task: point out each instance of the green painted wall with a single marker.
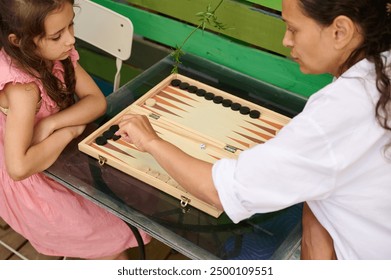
(244, 22)
(273, 4)
(164, 25)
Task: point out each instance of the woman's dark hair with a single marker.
(374, 21)
(25, 19)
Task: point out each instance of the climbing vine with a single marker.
(207, 18)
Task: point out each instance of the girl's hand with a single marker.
(137, 130)
(76, 130)
(44, 129)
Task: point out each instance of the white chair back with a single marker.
(106, 30)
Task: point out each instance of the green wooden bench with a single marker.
(251, 43)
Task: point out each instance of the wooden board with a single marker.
(191, 115)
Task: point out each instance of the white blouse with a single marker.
(331, 155)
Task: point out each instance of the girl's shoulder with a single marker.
(9, 73)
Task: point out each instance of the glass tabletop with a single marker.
(187, 230)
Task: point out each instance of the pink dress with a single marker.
(54, 219)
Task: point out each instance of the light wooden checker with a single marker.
(200, 127)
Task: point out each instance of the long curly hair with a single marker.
(25, 19)
(374, 19)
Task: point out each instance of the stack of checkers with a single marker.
(244, 110)
(107, 135)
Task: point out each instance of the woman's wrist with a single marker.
(154, 146)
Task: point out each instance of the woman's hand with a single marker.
(137, 130)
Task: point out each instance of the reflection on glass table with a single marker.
(187, 230)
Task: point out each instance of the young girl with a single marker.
(39, 76)
(335, 154)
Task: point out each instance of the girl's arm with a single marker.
(91, 105)
(193, 174)
(22, 158)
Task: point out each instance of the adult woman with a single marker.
(334, 155)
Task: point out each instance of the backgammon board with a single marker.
(203, 121)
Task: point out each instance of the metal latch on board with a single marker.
(185, 201)
(102, 160)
